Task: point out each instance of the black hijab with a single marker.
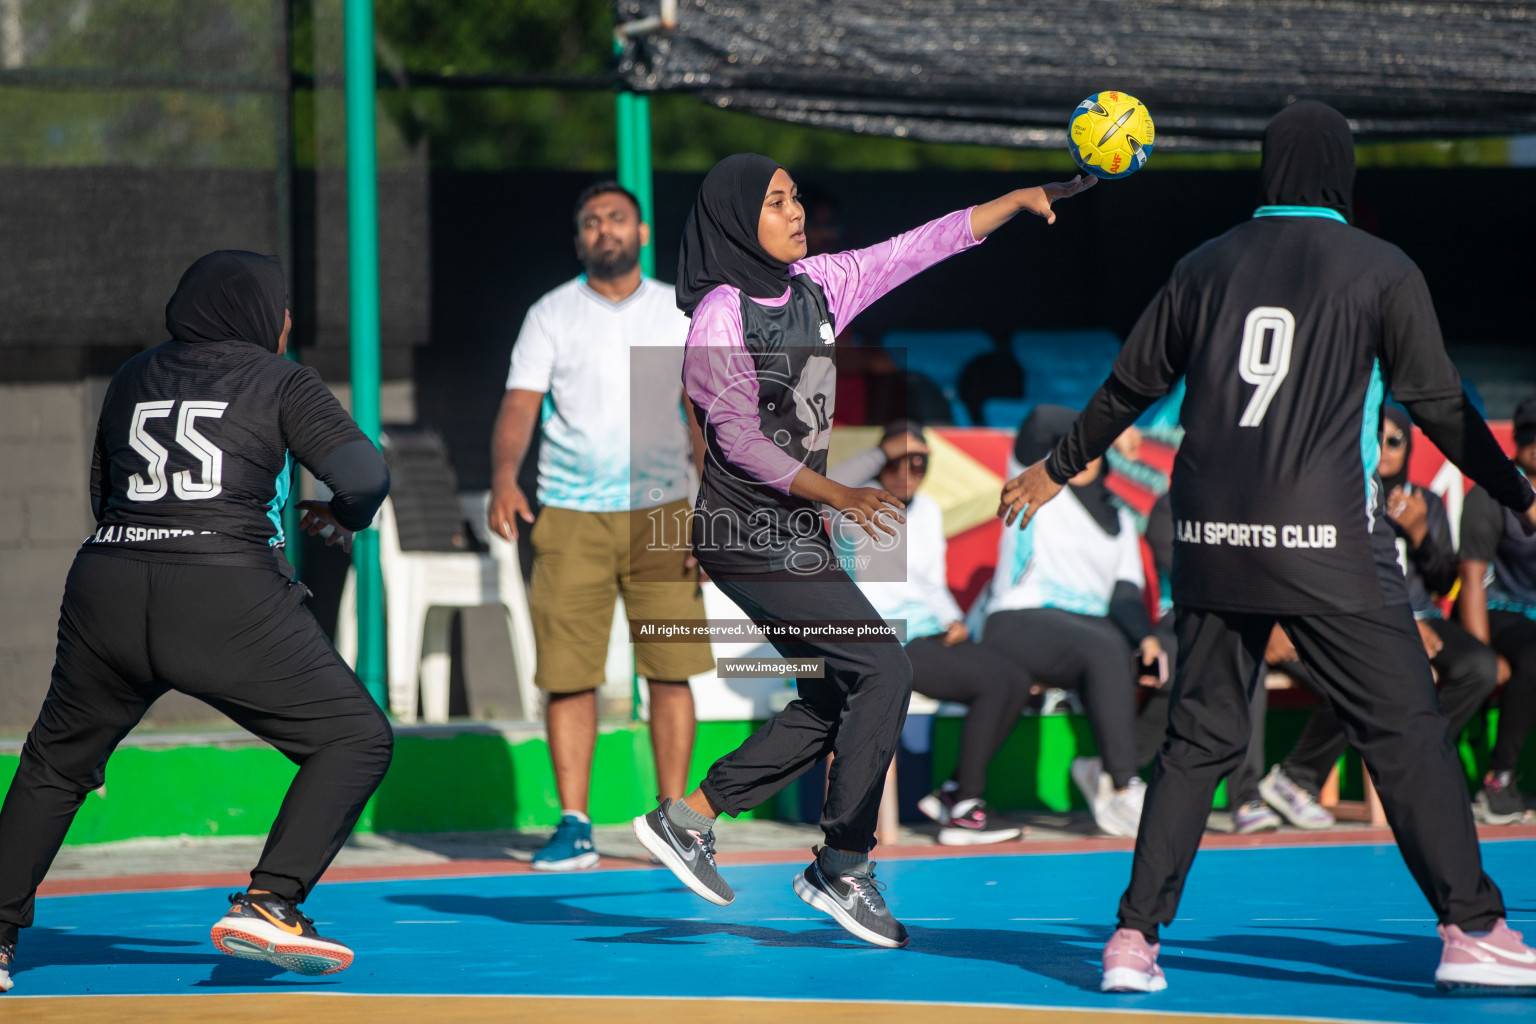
(720, 238)
(1309, 159)
(1039, 434)
(230, 295)
(1399, 417)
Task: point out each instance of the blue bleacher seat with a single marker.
(940, 356)
(1064, 367)
(1006, 413)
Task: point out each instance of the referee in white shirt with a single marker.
(610, 471)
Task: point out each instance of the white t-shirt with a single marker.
(904, 577)
(601, 452)
(1064, 559)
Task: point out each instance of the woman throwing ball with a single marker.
(760, 371)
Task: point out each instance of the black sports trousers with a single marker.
(995, 689)
(855, 712)
(1469, 672)
(1372, 668)
(238, 639)
(1086, 653)
(1514, 638)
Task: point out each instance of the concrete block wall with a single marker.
(46, 433)
(45, 457)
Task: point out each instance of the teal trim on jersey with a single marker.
(1300, 211)
(280, 488)
(1370, 438)
(1054, 595)
(1021, 551)
(1517, 607)
(546, 409)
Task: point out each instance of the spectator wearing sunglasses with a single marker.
(906, 580)
(1466, 667)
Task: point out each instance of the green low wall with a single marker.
(479, 779)
(439, 781)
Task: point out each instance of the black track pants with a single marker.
(856, 712)
(994, 687)
(1514, 637)
(238, 639)
(1468, 670)
(1371, 667)
(1086, 653)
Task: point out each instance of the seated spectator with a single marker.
(906, 581)
(1498, 607)
(1467, 669)
(1066, 604)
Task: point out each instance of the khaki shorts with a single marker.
(582, 561)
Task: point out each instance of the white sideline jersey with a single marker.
(1063, 559)
(588, 356)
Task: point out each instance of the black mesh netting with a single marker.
(1009, 72)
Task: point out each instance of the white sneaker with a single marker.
(1136, 795)
(1123, 815)
(1117, 813)
(1086, 772)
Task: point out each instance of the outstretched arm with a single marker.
(988, 217)
(853, 280)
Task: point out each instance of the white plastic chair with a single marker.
(421, 591)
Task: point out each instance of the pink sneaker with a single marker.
(1499, 959)
(1130, 964)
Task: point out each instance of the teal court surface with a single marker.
(1317, 931)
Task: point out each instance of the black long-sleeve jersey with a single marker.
(195, 450)
(1289, 330)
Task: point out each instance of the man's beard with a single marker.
(621, 262)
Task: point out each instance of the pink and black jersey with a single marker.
(762, 376)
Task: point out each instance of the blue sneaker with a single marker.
(569, 849)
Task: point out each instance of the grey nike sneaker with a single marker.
(853, 900)
(690, 855)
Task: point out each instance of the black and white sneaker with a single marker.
(7, 957)
(940, 804)
(1499, 802)
(854, 901)
(688, 854)
(270, 928)
(969, 825)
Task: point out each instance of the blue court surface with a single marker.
(1335, 932)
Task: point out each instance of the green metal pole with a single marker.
(632, 136)
(293, 541)
(363, 270)
(632, 123)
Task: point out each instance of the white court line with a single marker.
(927, 919)
(793, 919)
(1407, 920)
(1042, 919)
(1284, 919)
(433, 921)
